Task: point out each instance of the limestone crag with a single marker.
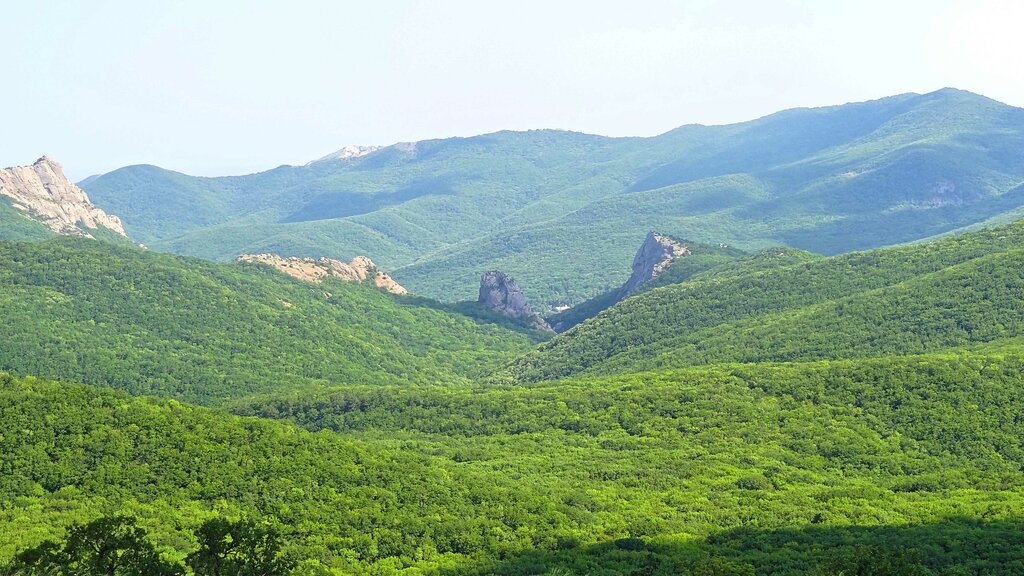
(501, 293)
(654, 256)
(44, 194)
(360, 269)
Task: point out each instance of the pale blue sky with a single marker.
(226, 87)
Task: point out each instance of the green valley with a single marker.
(675, 288)
(759, 397)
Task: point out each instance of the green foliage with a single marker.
(241, 548)
(952, 292)
(564, 212)
(707, 449)
(158, 324)
(858, 414)
(525, 479)
(15, 226)
(704, 262)
(104, 547)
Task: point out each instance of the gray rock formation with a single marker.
(501, 293)
(654, 256)
(44, 194)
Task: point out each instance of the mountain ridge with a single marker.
(561, 211)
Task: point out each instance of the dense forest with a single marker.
(769, 413)
(778, 469)
(957, 291)
(192, 330)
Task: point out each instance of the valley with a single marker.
(795, 346)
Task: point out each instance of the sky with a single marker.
(220, 87)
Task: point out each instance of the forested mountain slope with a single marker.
(779, 469)
(700, 261)
(564, 211)
(179, 327)
(956, 291)
(14, 225)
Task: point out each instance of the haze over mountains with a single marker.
(564, 212)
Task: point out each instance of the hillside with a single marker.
(773, 413)
(179, 327)
(778, 469)
(15, 226)
(957, 291)
(697, 260)
(563, 211)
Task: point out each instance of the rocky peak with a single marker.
(360, 269)
(349, 152)
(654, 256)
(501, 293)
(44, 194)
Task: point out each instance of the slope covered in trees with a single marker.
(771, 412)
(703, 261)
(559, 210)
(955, 291)
(767, 469)
(158, 324)
(15, 226)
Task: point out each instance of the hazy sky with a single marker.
(225, 87)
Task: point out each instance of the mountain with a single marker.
(42, 193)
(563, 212)
(958, 291)
(773, 412)
(183, 328)
(732, 404)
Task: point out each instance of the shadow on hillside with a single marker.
(955, 546)
(479, 314)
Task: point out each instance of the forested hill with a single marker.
(563, 212)
(701, 260)
(958, 291)
(911, 465)
(154, 323)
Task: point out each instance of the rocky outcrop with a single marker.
(44, 194)
(349, 153)
(501, 293)
(360, 269)
(654, 256)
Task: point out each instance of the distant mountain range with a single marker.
(564, 212)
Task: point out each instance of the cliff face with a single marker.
(44, 194)
(501, 293)
(655, 254)
(360, 269)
